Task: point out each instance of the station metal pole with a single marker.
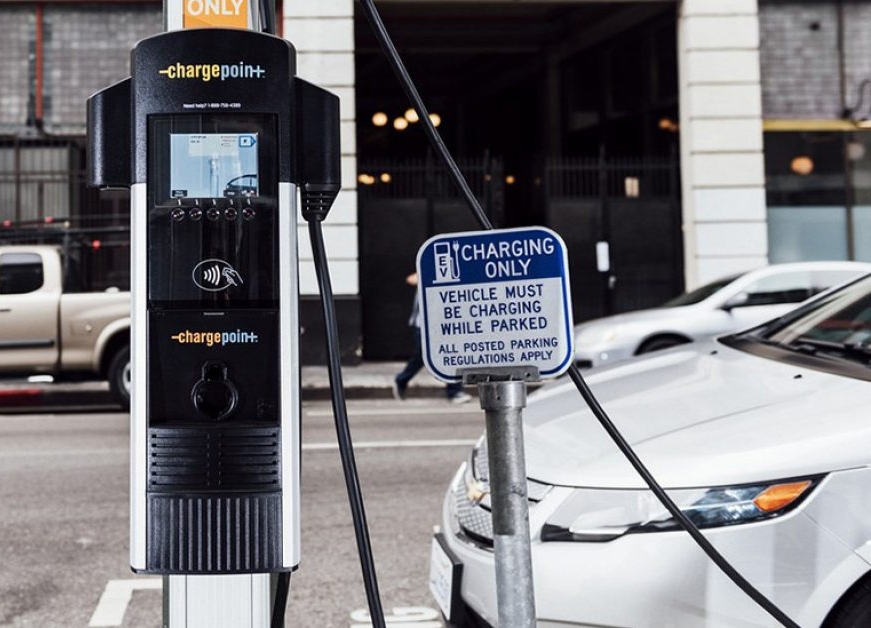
(231, 601)
(503, 402)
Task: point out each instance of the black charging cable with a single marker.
(279, 607)
(340, 413)
(267, 16)
(459, 180)
(393, 58)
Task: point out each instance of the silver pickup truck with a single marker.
(44, 330)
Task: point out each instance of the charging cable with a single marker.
(340, 411)
(316, 201)
(411, 92)
(279, 607)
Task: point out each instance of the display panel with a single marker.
(212, 158)
(217, 165)
(213, 220)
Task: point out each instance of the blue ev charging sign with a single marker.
(495, 298)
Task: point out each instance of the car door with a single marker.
(28, 314)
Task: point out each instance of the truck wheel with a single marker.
(119, 377)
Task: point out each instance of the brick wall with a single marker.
(18, 27)
(801, 62)
(857, 50)
(86, 48)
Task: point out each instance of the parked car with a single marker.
(762, 438)
(45, 329)
(728, 304)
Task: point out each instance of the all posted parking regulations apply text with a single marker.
(495, 298)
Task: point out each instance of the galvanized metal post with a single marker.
(503, 403)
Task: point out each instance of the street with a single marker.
(64, 515)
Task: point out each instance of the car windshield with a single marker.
(835, 327)
(700, 294)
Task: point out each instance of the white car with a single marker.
(763, 438)
(722, 306)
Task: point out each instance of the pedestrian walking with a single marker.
(454, 391)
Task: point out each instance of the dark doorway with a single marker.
(632, 206)
(395, 220)
(524, 85)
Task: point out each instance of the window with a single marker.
(785, 288)
(20, 273)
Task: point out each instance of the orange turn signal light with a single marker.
(780, 495)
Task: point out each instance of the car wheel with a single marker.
(468, 619)
(119, 377)
(660, 342)
(854, 609)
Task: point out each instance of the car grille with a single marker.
(474, 518)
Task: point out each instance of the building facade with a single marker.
(761, 103)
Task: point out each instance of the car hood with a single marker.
(699, 415)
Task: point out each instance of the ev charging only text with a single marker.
(508, 322)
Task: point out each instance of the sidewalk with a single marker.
(368, 380)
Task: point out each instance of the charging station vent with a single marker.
(195, 459)
(207, 534)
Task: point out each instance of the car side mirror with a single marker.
(737, 301)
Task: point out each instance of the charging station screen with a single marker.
(217, 165)
(213, 219)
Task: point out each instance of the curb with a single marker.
(96, 395)
(66, 397)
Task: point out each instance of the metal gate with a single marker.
(402, 204)
(633, 205)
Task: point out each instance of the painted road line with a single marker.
(400, 617)
(392, 444)
(405, 409)
(116, 597)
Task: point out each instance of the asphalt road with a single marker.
(64, 514)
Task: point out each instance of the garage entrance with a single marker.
(532, 97)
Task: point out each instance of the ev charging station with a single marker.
(215, 137)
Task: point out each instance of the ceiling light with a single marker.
(802, 165)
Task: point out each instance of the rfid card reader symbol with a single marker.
(214, 275)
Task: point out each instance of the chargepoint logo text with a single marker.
(208, 71)
(215, 338)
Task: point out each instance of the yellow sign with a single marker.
(215, 13)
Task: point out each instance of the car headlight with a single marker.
(596, 515)
(595, 334)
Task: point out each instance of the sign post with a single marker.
(496, 312)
